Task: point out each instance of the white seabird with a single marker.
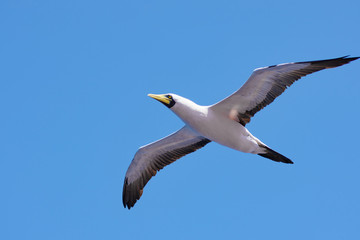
(223, 122)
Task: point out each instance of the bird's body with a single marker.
(214, 126)
(223, 122)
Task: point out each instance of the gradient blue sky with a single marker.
(74, 78)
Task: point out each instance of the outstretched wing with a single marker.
(151, 158)
(265, 84)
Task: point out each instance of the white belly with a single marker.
(224, 131)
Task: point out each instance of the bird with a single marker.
(223, 122)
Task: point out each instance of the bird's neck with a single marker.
(189, 111)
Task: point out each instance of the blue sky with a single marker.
(74, 79)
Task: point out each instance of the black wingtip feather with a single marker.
(124, 191)
(131, 193)
(334, 62)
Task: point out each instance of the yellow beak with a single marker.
(160, 98)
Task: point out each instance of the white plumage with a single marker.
(208, 121)
(223, 122)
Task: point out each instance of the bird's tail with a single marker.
(275, 156)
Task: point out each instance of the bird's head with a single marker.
(166, 99)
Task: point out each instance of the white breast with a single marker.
(216, 127)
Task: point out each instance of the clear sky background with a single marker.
(74, 78)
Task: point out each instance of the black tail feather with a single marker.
(275, 156)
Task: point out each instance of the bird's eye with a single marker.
(169, 97)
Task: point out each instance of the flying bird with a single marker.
(223, 122)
